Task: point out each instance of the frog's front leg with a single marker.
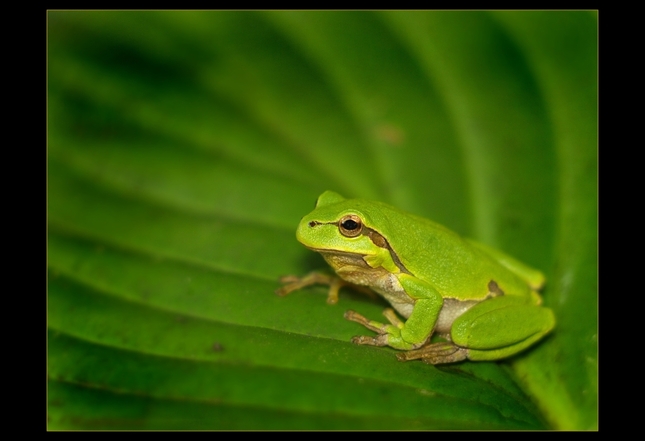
(294, 283)
(417, 328)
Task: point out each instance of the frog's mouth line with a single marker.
(393, 255)
(329, 250)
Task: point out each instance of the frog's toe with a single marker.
(379, 340)
(354, 316)
(377, 327)
(436, 353)
(446, 355)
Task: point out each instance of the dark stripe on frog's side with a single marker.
(494, 290)
(380, 241)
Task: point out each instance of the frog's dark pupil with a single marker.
(350, 225)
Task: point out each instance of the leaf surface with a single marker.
(183, 148)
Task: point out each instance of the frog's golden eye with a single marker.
(350, 225)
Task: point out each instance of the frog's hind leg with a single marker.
(501, 327)
(491, 330)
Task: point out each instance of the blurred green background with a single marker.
(183, 148)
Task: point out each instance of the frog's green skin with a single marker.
(479, 299)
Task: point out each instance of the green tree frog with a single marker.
(482, 302)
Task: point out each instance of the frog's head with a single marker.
(345, 225)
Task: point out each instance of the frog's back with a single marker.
(444, 259)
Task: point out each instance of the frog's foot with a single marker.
(387, 334)
(294, 283)
(380, 340)
(377, 327)
(435, 353)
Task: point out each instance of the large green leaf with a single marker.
(183, 148)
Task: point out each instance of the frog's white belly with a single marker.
(451, 309)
